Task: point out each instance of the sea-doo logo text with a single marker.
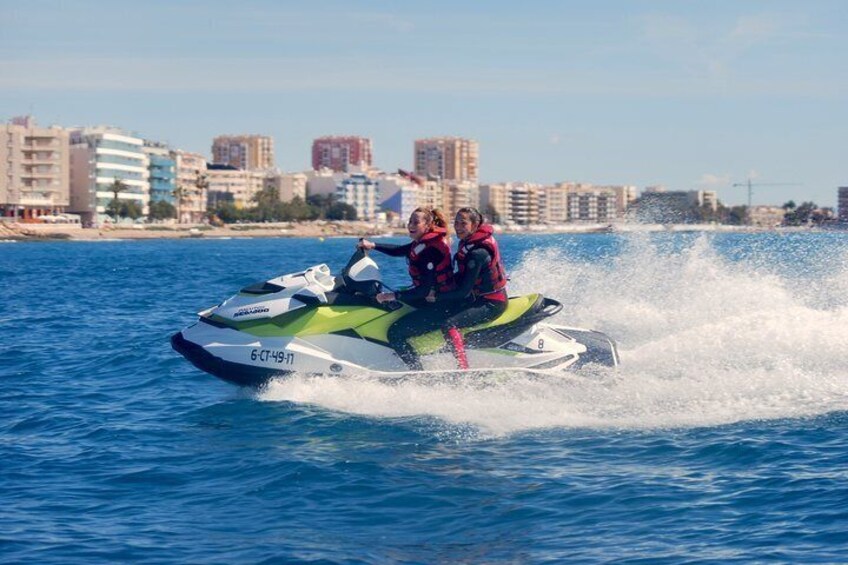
(249, 311)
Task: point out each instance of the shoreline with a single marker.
(326, 229)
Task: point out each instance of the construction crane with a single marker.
(751, 186)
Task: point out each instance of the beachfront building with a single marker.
(458, 195)
(100, 156)
(494, 202)
(340, 153)
(229, 184)
(843, 204)
(324, 181)
(399, 195)
(524, 203)
(288, 185)
(594, 205)
(162, 171)
(625, 195)
(361, 192)
(191, 186)
(553, 204)
(246, 152)
(766, 216)
(34, 169)
(447, 158)
(704, 198)
(431, 194)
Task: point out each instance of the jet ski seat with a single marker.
(522, 312)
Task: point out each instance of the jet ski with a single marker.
(313, 322)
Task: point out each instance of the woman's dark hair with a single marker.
(473, 214)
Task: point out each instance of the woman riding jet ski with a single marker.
(429, 259)
(312, 322)
(481, 278)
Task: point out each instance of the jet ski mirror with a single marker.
(361, 275)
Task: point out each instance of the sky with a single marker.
(684, 94)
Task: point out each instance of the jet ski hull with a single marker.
(316, 324)
(246, 360)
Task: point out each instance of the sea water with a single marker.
(723, 436)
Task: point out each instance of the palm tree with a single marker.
(201, 183)
(118, 186)
(181, 194)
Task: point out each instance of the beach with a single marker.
(21, 231)
(321, 229)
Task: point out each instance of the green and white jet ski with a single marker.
(315, 323)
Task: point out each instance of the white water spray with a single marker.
(703, 341)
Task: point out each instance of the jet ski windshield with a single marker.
(361, 275)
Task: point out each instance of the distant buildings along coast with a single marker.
(98, 174)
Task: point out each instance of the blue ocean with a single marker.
(722, 438)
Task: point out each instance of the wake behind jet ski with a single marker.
(312, 322)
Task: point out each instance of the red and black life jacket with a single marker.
(435, 238)
(491, 284)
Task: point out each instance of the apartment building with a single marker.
(162, 171)
(458, 195)
(191, 185)
(495, 202)
(400, 195)
(340, 153)
(447, 158)
(594, 205)
(553, 204)
(100, 156)
(361, 192)
(288, 185)
(766, 216)
(34, 169)
(229, 184)
(245, 152)
(524, 203)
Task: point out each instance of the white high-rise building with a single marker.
(362, 193)
(100, 156)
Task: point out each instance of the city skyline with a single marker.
(663, 93)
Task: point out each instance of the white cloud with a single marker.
(714, 181)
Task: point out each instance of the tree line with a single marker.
(807, 213)
(266, 207)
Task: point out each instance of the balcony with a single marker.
(32, 145)
(33, 200)
(35, 175)
(40, 160)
